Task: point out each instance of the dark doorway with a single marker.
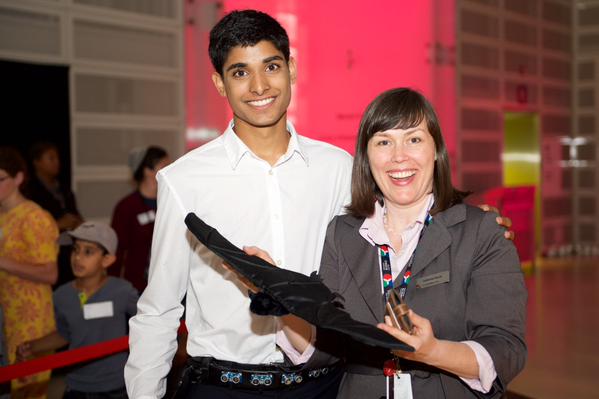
(34, 101)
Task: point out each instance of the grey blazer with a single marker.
(484, 301)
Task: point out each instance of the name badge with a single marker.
(402, 386)
(98, 310)
(146, 217)
(433, 279)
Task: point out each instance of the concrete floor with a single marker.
(562, 331)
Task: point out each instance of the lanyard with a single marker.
(386, 265)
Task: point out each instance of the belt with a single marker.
(207, 370)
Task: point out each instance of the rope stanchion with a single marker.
(69, 357)
(64, 358)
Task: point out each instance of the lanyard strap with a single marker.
(386, 265)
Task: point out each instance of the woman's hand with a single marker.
(455, 357)
(45, 273)
(422, 339)
(24, 351)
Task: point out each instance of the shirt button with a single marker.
(271, 172)
(278, 262)
(276, 217)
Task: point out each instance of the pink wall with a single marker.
(348, 52)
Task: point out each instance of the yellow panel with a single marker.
(522, 159)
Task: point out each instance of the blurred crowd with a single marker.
(60, 276)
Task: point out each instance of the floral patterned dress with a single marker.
(27, 234)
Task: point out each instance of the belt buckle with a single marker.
(290, 378)
(261, 379)
(230, 376)
(318, 372)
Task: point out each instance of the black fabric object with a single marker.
(300, 295)
(264, 305)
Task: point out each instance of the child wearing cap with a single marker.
(91, 309)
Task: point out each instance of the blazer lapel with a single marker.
(362, 260)
(436, 238)
(434, 241)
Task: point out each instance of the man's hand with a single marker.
(501, 220)
(255, 251)
(260, 253)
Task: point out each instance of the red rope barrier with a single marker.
(64, 358)
(70, 357)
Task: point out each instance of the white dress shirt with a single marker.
(282, 209)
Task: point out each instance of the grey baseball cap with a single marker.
(97, 232)
(136, 156)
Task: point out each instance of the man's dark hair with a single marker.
(245, 28)
(154, 154)
(401, 108)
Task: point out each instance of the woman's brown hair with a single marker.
(11, 161)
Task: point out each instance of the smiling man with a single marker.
(260, 184)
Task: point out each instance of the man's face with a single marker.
(257, 83)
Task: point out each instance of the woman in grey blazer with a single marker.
(461, 277)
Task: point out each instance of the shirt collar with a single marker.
(373, 229)
(236, 148)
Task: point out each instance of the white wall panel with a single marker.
(125, 59)
(156, 8)
(114, 43)
(116, 143)
(33, 32)
(125, 95)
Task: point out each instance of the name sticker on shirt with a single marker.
(433, 279)
(98, 310)
(402, 386)
(146, 217)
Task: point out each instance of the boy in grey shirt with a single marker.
(90, 309)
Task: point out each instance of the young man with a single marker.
(261, 184)
(91, 309)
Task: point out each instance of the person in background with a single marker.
(91, 309)
(28, 268)
(133, 216)
(45, 188)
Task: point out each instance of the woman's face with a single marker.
(48, 163)
(402, 162)
(8, 184)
